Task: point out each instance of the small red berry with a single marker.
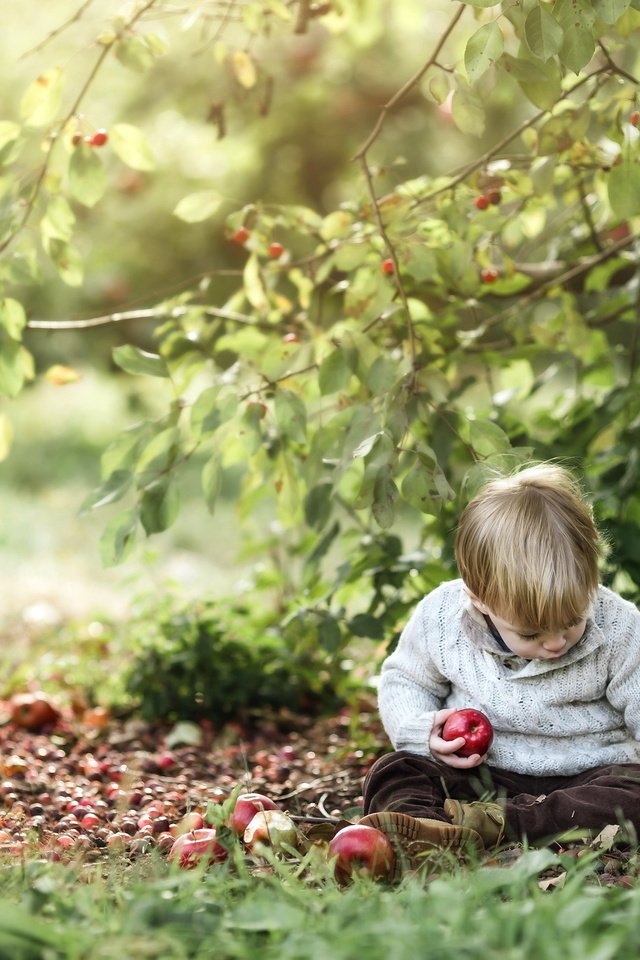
(291, 338)
(481, 202)
(275, 249)
(99, 138)
(489, 275)
(388, 266)
(494, 197)
(241, 235)
(634, 118)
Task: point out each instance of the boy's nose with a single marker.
(554, 642)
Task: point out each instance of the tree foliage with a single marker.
(366, 363)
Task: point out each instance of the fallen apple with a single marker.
(190, 822)
(274, 828)
(474, 727)
(33, 711)
(245, 809)
(361, 850)
(192, 847)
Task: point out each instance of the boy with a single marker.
(528, 637)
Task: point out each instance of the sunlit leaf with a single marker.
(41, 102)
(134, 360)
(60, 375)
(130, 144)
(483, 48)
(212, 481)
(118, 539)
(198, 206)
(6, 436)
(610, 11)
(624, 189)
(244, 69)
(87, 175)
(12, 317)
(543, 33)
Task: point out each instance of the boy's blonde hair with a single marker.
(527, 547)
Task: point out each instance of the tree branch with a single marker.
(58, 30)
(53, 139)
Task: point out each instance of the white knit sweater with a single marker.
(554, 717)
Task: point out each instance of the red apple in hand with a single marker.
(363, 850)
(273, 828)
(33, 711)
(474, 727)
(247, 805)
(192, 847)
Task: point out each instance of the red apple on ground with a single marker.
(33, 711)
(474, 727)
(363, 850)
(191, 821)
(274, 828)
(196, 845)
(247, 805)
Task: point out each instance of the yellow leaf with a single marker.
(244, 69)
(59, 375)
(6, 436)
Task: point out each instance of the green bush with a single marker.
(214, 660)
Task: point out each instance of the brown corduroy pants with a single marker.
(536, 807)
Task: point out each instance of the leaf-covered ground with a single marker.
(92, 785)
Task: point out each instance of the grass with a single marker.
(152, 910)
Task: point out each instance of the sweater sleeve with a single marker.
(623, 688)
(412, 688)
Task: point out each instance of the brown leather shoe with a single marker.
(413, 838)
(486, 819)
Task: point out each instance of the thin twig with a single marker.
(406, 87)
(586, 209)
(58, 30)
(150, 314)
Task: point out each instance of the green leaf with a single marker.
(212, 481)
(329, 634)
(130, 145)
(198, 206)
(577, 49)
(624, 189)
(610, 11)
(135, 52)
(16, 366)
(317, 505)
(159, 506)
(487, 437)
(133, 360)
(41, 102)
(543, 33)
(6, 436)
(122, 453)
(12, 317)
(334, 373)
(211, 410)
(468, 112)
(118, 539)
(158, 456)
(253, 285)
(416, 487)
(113, 489)
(58, 221)
(364, 625)
(68, 262)
(483, 48)
(291, 415)
(87, 175)
(385, 494)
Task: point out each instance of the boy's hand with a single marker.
(445, 750)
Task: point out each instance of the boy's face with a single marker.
(532, 644)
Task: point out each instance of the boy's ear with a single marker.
(478, 604)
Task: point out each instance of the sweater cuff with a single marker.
(413, 735)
